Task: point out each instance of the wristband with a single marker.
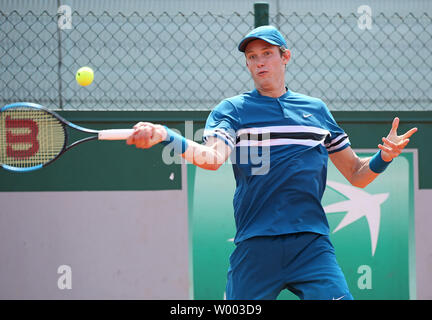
(178, 142)
(377, 164)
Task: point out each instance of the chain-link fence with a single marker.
(191, 62)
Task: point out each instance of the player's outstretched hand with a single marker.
(147, 134)
(394, 144)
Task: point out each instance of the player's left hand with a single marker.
(394, 144)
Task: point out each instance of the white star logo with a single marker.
(361, 204)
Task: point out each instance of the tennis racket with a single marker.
(32, 137)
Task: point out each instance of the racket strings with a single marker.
(29, 137)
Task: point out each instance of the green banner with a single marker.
(100, 165)
(372, 230)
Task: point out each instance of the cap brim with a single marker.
(245, 42)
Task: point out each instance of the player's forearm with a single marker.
(358, 171)
(368, 169)
(362, 175)
(203, 156)
(210, 156)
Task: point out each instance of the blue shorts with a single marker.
(304, 263)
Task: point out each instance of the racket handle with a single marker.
(115, 134)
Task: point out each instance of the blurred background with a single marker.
(181, 55)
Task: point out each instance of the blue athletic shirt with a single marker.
(280, 150)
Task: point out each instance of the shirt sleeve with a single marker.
(222, 123)
(338, 139)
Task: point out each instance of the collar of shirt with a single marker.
(256, 93)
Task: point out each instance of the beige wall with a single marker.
(118, 244)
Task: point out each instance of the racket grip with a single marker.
(115, 134)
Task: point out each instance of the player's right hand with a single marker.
(147, 134)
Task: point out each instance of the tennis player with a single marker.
(282, 237)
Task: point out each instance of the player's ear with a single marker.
(286, 56)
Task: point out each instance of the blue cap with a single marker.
(267, 33)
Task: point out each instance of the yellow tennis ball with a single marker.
(84, 76)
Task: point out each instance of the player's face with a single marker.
(266, 64)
